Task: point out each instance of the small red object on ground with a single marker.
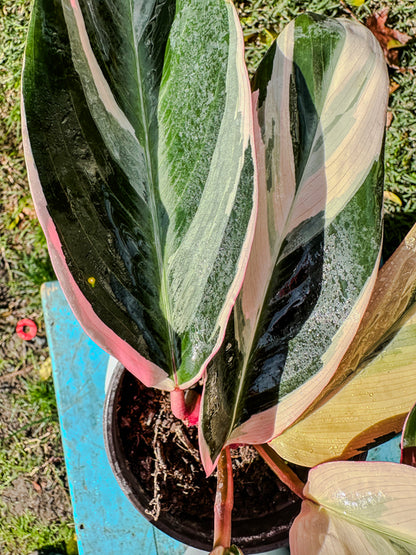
(26, 329)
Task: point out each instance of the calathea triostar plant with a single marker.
(203, 228)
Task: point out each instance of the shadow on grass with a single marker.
(58, 549)
(396, 227)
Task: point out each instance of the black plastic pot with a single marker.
(254, 535)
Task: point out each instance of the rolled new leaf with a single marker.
(375, 384)
(137, 131)
(357, 507)
(320, 99)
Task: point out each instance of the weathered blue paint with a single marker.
(389, 451)
(106, 522)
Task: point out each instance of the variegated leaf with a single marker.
(375, 385)
(357, 507)
(320, 97)
(137, 130)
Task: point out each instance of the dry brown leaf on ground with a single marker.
(390, 39)
(392, 197)
(36, 486)
(393, 87)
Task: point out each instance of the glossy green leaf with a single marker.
(375, 385)
(408, 444)
(137, 130)
(357, 507)
(320, 99)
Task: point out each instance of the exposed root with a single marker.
(160, 472)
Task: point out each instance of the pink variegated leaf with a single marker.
(320, 99)
(138, 140)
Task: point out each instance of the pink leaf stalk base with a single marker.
(224, 501)
(187, 413)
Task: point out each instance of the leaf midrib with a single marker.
(152, 180)
(276, 259)
(364, 523)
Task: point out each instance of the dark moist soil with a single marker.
(173, 477)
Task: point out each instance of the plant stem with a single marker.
(187, 413)
(281, 469)
(224, 500)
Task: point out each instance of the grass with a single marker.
(35, 511)
(24, 534)
(34, 507)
